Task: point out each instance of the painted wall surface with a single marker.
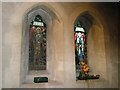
(102, 45)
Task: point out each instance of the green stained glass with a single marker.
(37, 44)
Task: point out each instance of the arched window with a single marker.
(38, 41)
(37, 44)
(80, 44)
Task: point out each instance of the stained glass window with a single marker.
(80, 45)
(37, 44)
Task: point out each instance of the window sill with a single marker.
(49, 84)
(43, 72)
(90, 80)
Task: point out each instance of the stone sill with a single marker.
(49, 84)
(38, 73)
(90, 80)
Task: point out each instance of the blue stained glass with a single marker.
(80, 45)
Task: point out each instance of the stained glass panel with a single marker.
(80, 45)
(37, 44)
(80, 50)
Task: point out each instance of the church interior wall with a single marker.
(102, 44)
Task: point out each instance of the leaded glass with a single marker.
(80, 49)
(37, 44)
(80, 45)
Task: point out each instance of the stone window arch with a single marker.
(49, 18)
(83, 26)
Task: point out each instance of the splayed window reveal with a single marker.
(80, 45)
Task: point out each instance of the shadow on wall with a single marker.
(86, 20)
(95, 46)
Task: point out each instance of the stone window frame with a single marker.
(48, 17)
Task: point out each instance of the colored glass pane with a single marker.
(37, 44)
(80, 45)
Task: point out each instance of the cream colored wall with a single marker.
(61, 61)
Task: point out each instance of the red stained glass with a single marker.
(37, 45)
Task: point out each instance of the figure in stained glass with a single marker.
(80, 45)
(37, 44)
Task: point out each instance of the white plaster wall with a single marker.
(11, 46)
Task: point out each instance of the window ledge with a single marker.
(44, 72)
(49, 84)
(90, 80)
